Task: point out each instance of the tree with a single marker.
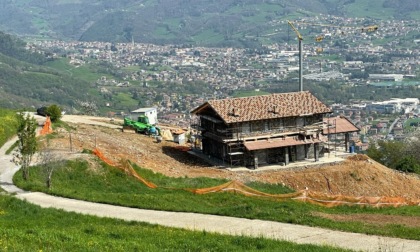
(27, 142)
(49, 161)
(388, 153)
(54, 112)
(88, 107)
(408, 164)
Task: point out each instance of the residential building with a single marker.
(267, 129)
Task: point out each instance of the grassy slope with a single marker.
(109, 185)
(25, 227)
(121, 101)
(176, 21)
(8, 125)
(25, 85)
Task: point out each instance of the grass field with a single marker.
(362, 8)
(83, 72)
(108, 185)
(249, 93)
(412, 121)
(25, 227)
(8, 125)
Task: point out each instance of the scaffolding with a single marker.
(235, 150)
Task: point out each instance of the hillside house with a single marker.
(267, 129)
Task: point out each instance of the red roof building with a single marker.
(275, 128)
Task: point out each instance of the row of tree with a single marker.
(403, 156)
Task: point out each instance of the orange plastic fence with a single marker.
(336, 200)
(238, 187)
(126, 167)
(304, 195)
(46, 129)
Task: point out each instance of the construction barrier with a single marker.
(303, 195)
(124, 166)
(46, 129)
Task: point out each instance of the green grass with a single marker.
(246, 93)
(108, 185)
(12, 147)
(124, 100)
(83, 72)
(409, 121)
(8, 125)
(26, 227)
(362, 8)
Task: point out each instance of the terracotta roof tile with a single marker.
(338, 125)
(262, 107)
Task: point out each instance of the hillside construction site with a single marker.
(354, 175)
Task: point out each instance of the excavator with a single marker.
(142, 126)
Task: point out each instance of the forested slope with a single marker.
(205, 22)
(24, 82)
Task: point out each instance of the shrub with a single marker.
(408, 164)
(54, 112)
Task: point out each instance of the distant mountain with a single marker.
(202, 22)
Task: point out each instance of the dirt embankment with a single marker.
(357, 176)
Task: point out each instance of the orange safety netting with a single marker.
(238, 187)
(303, 195)
(46, 129)
(126, 167)
(336, 200)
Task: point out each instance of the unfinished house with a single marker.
(258, 130)
(337, 127)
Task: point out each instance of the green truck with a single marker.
(142, 126)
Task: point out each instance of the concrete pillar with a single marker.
(346, 140)
(316, 150)
(286, 155)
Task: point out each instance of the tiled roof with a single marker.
(263, 107)
(342, 125)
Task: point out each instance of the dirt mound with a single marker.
(351, 177)
(358, 157)
(357, 176)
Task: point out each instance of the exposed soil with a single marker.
(356, 176)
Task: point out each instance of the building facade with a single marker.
(258, 130)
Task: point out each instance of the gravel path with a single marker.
(210, 223)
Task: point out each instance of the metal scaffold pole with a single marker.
(300, 65)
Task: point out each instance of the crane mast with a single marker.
(300, 38)
(371, 28)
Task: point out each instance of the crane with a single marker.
(371, 28)
(300, 38)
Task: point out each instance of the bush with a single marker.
(408, 164)
(54, 112)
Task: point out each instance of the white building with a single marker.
(150, 113)
(386, 77)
